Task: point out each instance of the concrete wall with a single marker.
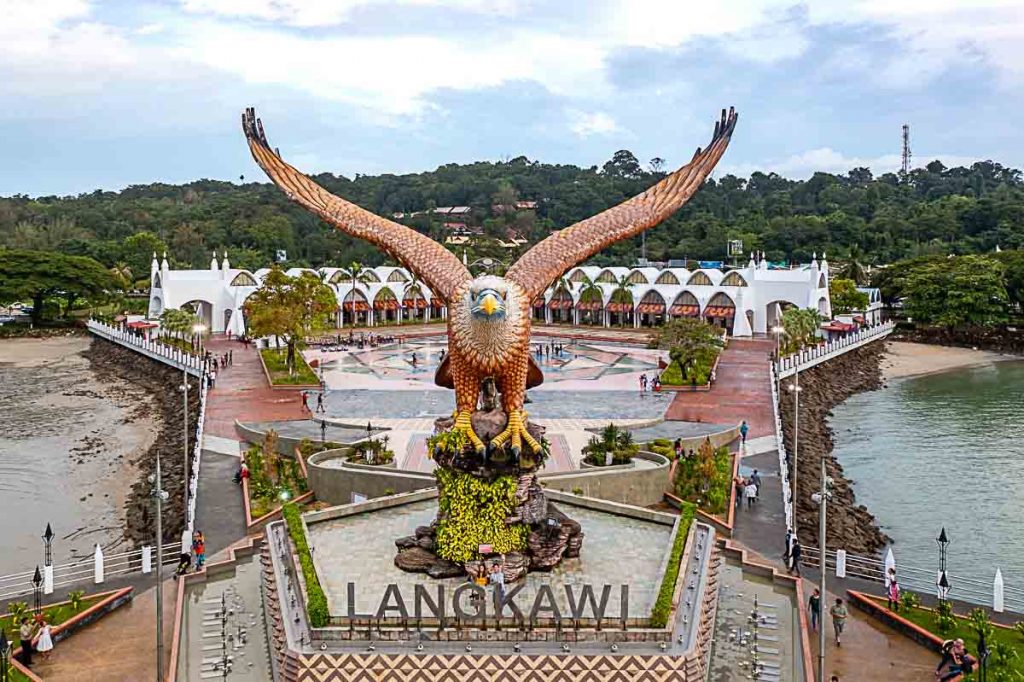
(638, 485)
(336, 484)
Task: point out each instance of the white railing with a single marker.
(780, 445)
(188, 362)
(809, 357)
(94, 569)
(969, 589)
(192, 487)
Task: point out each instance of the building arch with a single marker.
(156, 307)
(367, 275)
(733, 279)
(773, 313)
(203, 310)
(822, 284)
(578, 276)
(685, 305)
(414, 303)
(824, 308)
(651, 309)
(637, 277)
(157, 282)
(385, 306)
(354, 309)
(668, 277)
(620, 308)
(243, 279)
(560, 305)
(397, 275)
(340, 276)
(721, 311)
(700, 279)
(606, 277)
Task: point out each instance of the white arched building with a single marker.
(745, 301)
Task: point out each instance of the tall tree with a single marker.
(39, 275)
(956, 292)
(290, 308)
(845, 297)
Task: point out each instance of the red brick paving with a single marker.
(241, 392)
(742, 390)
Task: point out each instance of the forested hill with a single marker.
(934, 210)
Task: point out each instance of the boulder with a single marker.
(405, 542)
(443, 568)
(416, 560)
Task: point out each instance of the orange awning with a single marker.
(650, 309)
(682, 310)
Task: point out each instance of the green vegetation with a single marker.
(308, 447)
(800, 329)
(53, 282)
(706, 478)
(693, 345)
(291, 309)
(473, 513)
(316, 600)
(1006, 664)
(373, 451)
(273, 479)
(662, 608)
(613, 441)
(661, 446)
(276, 360)
(844, 296)
(55, 615)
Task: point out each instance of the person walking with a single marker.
(755, 478)
(320, 402)
(839, 615)
(677, 447)
(199, 549)
(744, 429)
(44, 640)
(231, 357)
(814, 607)
(26, 632)
(794, 556)
(305, 401)
(750, 493)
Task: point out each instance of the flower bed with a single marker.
(663, 604)
(273, 479)
(275, 364)
(612, 448)
(705, 479)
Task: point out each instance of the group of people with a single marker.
(217, 363)
(185, 563)
(551, 349)
(838, 612)
(654, 383)
(319, 402)
(36, 637)
(747, 488)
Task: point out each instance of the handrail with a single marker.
(809, 357)
(780, 445)
(189, 362)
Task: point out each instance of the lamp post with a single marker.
(5, 654)
(198, 330)
(942, 581)
(159, 496)
(37, 591)
(821, 499)
(48, 560)
(795, 389)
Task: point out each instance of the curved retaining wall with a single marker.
(628, 484)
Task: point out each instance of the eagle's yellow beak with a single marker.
(489, 304)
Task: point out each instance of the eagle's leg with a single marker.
(513, 392)
(467, 392)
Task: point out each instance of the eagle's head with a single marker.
(488, 299)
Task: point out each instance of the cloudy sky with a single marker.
(103, 93)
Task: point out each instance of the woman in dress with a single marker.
(44, 640)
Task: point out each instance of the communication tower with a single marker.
(906, 149)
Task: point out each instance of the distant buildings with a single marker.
(744, 301)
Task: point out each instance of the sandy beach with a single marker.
(904, 359)
(69, 442)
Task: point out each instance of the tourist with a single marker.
(677, 447)
(643, 383)
(741, 485)
(305, 401)
(44, 640)
(213, 378)
(199, 549)
(743, 433)
(794, 556)
(814, 606)
(242, 473)
(320, 402)
(893, 593)
(323, 431)
(229, 335)
(839, 614)
(750, 492)
(952, 651)
(231, 357)
(656, 384)
(756, 479)
(26, 632)
(789, 544)
(498, 580)
(184, 564)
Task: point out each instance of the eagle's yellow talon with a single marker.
(464, 423)
(515, 431)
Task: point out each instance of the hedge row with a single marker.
(663, 605)
(316, 601)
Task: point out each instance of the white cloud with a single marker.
(585, 124)
(828, 160)
(310, 13)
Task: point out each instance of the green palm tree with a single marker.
(123, 274)
(856, 266)
(358, 274)
(622, 294)
(415, 285)
(590, 291)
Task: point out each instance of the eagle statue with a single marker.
(489, 316)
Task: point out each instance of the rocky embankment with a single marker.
(850, 526)
(113, 363)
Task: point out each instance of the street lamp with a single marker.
(48, 560)
(943, 581)
(198, 330)
(159, 496)
(821, 499)
(5, 654)
(795, 389)
(37, 591)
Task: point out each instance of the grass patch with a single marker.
(1007, 659)
(277, 366)
(316, 600)
(55, 615)
(663, 604)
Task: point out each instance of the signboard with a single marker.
(485, 549)
(281, 256)
(735, 247)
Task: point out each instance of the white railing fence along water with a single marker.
(971, 589)
(780, 444)
(175, 357)
(192, 487)
(96, 569)
(809, 357)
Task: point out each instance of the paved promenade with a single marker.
(741, 390)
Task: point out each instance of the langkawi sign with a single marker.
(469, 601)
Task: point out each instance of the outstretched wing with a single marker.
(546, 261)
(430, 261)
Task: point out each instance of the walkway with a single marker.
(120, 646)
(741, 390)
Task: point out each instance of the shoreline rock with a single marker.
(849, 525)
(113, 363)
